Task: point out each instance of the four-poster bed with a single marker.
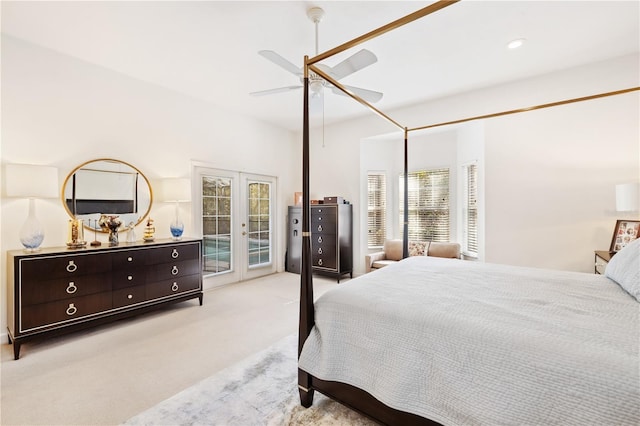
(372, 308)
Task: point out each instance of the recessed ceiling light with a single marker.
(514, 44)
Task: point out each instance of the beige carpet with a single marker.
(260, 390)
(109, 374)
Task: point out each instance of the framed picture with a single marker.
(625, 232)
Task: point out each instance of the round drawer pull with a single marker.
(320, 250)
(129, 277)
(71, 288)
(174, 270)
(319, 261)
(175, 254)
(319, 228)
(320, 218)
(319, 239)
(174, 287)
(72, 267)
(71, 310)
(129, 296)
(129, 259)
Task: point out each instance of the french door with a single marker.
(237, 220)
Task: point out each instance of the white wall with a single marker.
(548, 176)
(60, 111)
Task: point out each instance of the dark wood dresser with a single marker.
(57, 290)
(332, 239)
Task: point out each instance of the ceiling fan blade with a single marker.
(354, 63)
(272, 91)
(367, 95)
(281, 62)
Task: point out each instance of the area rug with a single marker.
(260, 390)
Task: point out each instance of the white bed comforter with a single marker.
(470, 343)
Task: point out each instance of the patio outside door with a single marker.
(237, 223)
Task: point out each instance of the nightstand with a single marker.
(602, 258)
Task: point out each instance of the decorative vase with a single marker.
(113, 237)
(111, 224)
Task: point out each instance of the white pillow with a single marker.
(624, 268)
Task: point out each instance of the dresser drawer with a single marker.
(129, 259)
(46, 268)
(173, 253)
(129, 296)
(128, 277)
(323, 216)
(35, 292)
(325, 241)
(47, 314)
(167, 271)
(174, 286)
(324, 261)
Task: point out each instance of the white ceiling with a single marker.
(208, 49)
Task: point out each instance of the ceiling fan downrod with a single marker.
(316, 14)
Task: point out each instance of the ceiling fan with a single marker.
(355, 62)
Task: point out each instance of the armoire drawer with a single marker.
(46, 314)
(324, 261)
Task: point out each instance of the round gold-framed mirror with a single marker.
(106, 186)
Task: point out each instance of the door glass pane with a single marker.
(259, 218)
(216, 223)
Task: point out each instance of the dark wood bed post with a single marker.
(405, 226)
(306, 278)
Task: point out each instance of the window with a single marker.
(216, 223)
(470, 210)
(259, 223)
(428, 205)
(377, 209)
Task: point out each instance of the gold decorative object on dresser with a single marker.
(56, 290)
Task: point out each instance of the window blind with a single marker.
(471, 210)
(428, 205)
(376, 210)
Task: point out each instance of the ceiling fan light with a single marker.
(316, 87)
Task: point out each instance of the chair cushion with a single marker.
(450, 250)
(381, 263)
(393, 249)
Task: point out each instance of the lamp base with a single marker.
(176, 228)
(32, 232)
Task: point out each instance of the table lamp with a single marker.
(627, 197)
(176, 190)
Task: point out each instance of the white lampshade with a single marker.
(627, 197)
(31, 181)
(175, 190)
